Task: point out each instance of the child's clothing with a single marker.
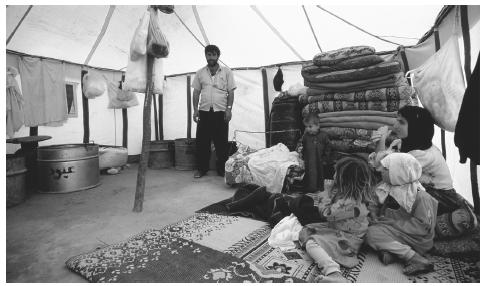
(315, 153)
(400, 231)
(409, 227)
(342, 235)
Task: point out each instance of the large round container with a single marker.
(185, 154)
(16, 179)
(162, 154)
(67, 168)
(287, 121)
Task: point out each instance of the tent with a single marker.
(257, 41)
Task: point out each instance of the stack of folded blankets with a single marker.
(354, 92)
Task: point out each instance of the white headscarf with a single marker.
(404, 172)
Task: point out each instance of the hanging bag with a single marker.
(93, 85)
(140, 38)
(158, 45)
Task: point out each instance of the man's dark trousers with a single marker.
(212, 127)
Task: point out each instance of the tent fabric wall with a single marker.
(418, 54)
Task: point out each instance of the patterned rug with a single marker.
(218, 248)
(171, 254)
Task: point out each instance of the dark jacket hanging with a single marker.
(466, 136)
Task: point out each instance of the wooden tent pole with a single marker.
(140, 183)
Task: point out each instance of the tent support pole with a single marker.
(155, 111)
(442, 131)
(189, 108)
(85, 111)
(160, 115)
(125, 128)
(19, 23)
(467, 69)
(140, 183)
(265, 90)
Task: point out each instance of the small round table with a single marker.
(28, 148)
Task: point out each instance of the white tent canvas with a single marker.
(68, 33)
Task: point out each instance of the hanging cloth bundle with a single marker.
(15, 101)
(278, 80)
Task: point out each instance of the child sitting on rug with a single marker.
(314, 149)
(406, 229)
(344, 209)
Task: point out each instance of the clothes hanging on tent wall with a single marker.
(467, 128)
(44, 91)
(15, 101)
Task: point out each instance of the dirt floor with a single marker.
(47, 229)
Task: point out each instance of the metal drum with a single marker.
(16, 179)
(162, 154)
(68, 168)
(185, 154)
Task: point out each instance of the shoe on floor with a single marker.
(199, 174)
(334, 277)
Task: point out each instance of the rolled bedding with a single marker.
(381, 94)
(350, 113)
(362, 118)
(347, 64)
(336, 56)
(338, 105)
(354, 124)
(352, 146)
(389, 80)
(350, 75)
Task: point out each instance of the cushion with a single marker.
(336, 56)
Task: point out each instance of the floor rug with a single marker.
(171, 254)
(296, 263)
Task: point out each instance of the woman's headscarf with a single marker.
(420, 128)
(404, 172)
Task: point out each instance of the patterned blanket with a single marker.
(353, 63)
(351, 133)
(382, 94)
(339, 105)
(350, 75)
(216, 248)
(362, 118)
(333, 57)
(358, 85)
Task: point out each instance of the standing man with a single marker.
(213, 96)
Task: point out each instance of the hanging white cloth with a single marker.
(15, 101)
(44, 91)
(440, 84)
(269, 166)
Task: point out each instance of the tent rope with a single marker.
(196, 38)
(274, 30)
(200, 26)
(312, 30)
(357, 26)
(101, 34)
(19, 23)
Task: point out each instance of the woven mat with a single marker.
(176, 254)
(214, 248)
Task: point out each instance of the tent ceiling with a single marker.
(68, 32)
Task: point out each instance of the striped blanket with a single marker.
(350, 75)
(388, 93)
(354, 63)
(333, 57)
(390, 80)
(339, 105)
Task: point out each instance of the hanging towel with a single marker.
(44, 91)
(15, 101)
(440, 84)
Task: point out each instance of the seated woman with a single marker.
(415, 129)
(407, 231)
